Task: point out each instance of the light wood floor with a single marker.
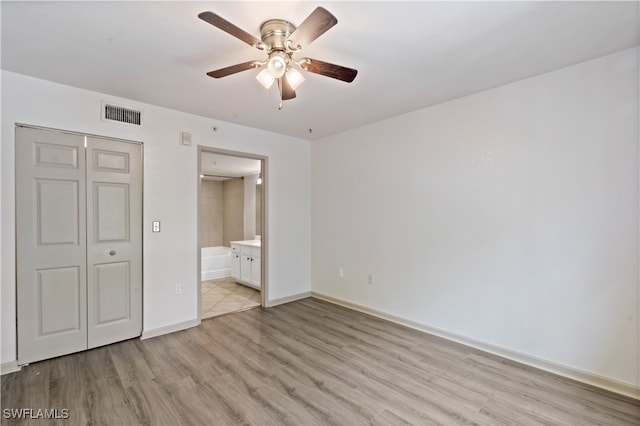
(305, 363)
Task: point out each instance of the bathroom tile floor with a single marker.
(224, 295)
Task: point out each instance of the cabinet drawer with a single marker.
(235, 248)
(255, 252)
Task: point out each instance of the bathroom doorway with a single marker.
(231, 231)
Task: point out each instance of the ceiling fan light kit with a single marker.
(277, 63)
(265, 78)
(294, 77)
(280, 40)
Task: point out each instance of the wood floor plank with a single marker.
(342, 332)
(109, 403)
(305, 339)
(313, 401)
(159, 353)
(387, 418)
(129, 363)
(531, 392)
(353, 329)
(343, 395)
(304, 363)
(70, 387)
(333, 368)
(152, 405)
(505, 413)
(198, 362)
(200, 407)
(504, 385)
(553, 387)
(437, 406)
(287, 407)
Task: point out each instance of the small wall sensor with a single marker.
(185, 138)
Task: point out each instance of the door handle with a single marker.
(112, 253)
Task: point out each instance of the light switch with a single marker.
(156, 226)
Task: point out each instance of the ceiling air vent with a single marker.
(120, 114)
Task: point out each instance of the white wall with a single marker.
(509, 216)
(170, 186)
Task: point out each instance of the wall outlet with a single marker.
(179, 288)
(370, 279)
(340, 273)
(155, 226)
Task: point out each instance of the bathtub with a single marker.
(215, 263)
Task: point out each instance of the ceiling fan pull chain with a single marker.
(280, 106)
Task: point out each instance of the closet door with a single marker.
(114, 240)
(51, 244)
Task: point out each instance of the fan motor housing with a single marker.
(274, 34)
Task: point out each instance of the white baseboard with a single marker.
(215, 274)
(287, 299)
(155, 332)
(603, 382)
(9, 367)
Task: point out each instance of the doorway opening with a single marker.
(231, 231)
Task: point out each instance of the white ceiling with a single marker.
(228, 165)
(410, 55)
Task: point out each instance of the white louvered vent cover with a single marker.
(120, 114)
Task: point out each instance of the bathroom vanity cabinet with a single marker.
(245, 263)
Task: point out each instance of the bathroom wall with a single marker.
(211, 213)
(227, 211)
(233, 211)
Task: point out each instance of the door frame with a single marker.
(264, 237)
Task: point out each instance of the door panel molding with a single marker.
(57, 211)
(111, 212)
(54, 155)
(107, 293)
(110, 161)
(58, 299)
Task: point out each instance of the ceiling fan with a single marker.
(280, 40)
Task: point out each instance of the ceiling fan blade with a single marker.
(223, 72)
(228, 27)
(286, 91)
(330, 70)
(313, 27)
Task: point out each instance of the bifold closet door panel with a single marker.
(114, 240)
(51, 244)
